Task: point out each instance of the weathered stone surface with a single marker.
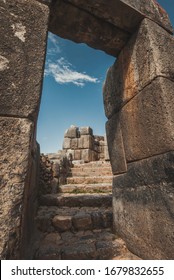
(152, 10)
(125, 14)
(70, 152)
(106, 151)
(82, 221)
(22, 56)
(86, 155)
(116, 145)
(44, 223)
(116, 13)
(16, 143)
(77, 155)
(86, 130)
(77, 200)
(74, 143)
(50, 247)
(147, 121)
(79, 252)
(144, 58)
(144, 197)
(86, 142)
(80, 26)
(62, 223)
(104, 249)
(67, 143)
(71, 132)
(46, 2)
(30, 204)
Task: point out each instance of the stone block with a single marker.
(86, 142)
(82, 27)
(80, 251)
(77, 154)
(144, 58)
(15, 161)
(22, 56)
(62, 223)
(71, 132)
(86, 130)
(125, 14)
(50, 247)
(152, 10)
(86, 155)
(105, 249)
(147, 121)
(67, 143)
(115, 145)
(74, 143)
(82, 221)
(143, 202)
(70, 153)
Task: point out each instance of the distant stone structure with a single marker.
(81, 144)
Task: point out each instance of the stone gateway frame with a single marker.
(139, 104)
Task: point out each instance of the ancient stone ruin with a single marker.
(138, 101)
(81, 144)
(74, 219)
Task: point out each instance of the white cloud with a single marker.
(62, 72)
(54, 40)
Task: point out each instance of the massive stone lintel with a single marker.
(143, 207)
(144, 58)
(16, 145)
(23, 40)
(125, 14)
(101, 25)
(72, 23)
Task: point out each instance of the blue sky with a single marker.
(72, 88)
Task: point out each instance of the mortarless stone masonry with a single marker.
(140, 114)
(83, 145)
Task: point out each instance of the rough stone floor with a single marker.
(76, 223)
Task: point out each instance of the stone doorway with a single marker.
(140, 126)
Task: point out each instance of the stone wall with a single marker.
(22, 52)
(138, 98)
(81, 144)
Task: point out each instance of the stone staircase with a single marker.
(76, 222)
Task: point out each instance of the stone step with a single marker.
(82, 171)
(73, 219)
(89, 180)
(86, 188)
(93, 164)
(77, 200)
(86, 245)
